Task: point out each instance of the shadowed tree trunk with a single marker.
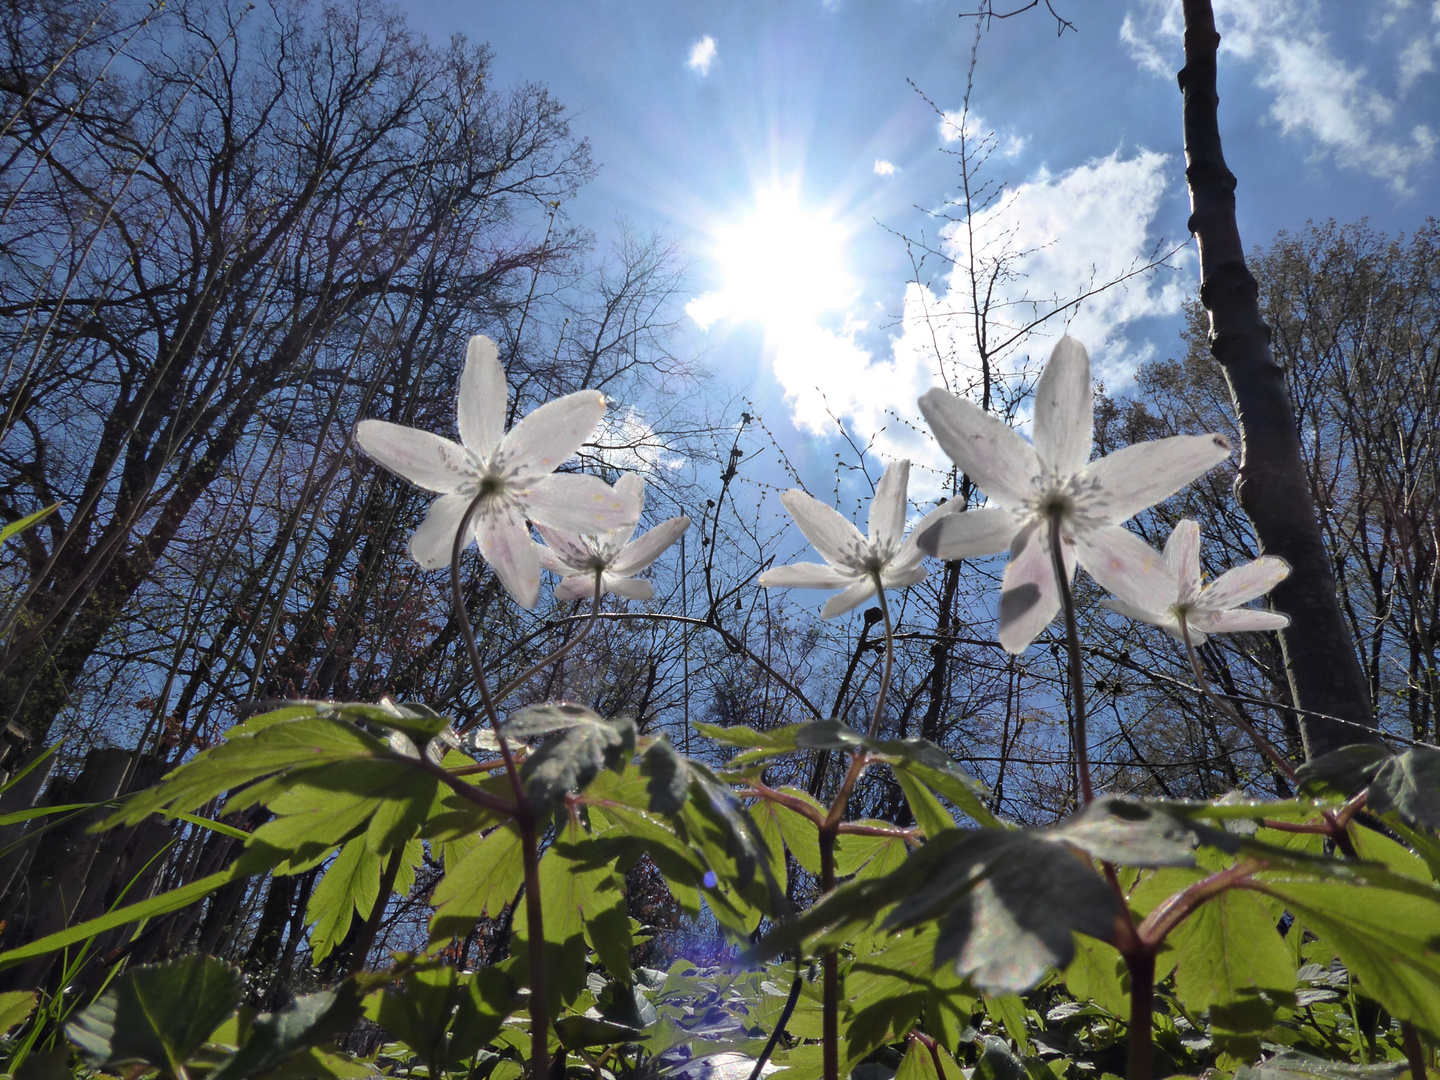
(1324, 672)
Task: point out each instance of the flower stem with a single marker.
(1261, 743)
(889, 660)
(560, 653)
(1077, 671)
(524, 817)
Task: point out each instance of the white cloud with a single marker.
(1081, 227)
(702, 55)
(884, 168)
(1315, 92)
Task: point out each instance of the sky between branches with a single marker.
(779, 141)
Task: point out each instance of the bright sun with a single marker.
(782, 266)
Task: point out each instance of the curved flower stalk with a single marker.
(855, 563)
(1036, 487)
(1213, 608)
(612, 555)
(510, 475)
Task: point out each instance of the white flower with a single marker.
(510, 473)
(1213, 608)
(852, 561)
(1029, 486)
(612, 555)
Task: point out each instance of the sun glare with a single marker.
(783, 265)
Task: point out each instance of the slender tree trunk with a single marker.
(1320, 660)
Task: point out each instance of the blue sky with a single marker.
(704, 114)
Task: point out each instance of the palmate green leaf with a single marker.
(1006, 902)
(628, 831)
(667, 777)
(888, 990)
(586, 743)
(443, 1015)
(1097, 974)
(1229, 950)
(350, 886)
(159, 1014)
(481, 883)
(1407, 783)
(250, 755)
(1135, 833)
(1388, 938)
(757, 745)
(306, 1022)
(717, 822)
(919, 1063)
(919, 758)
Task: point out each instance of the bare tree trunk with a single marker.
(1320, 661)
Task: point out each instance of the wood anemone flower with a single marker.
(511, 474)
(612, 555)
(1033, 488)
(854, 562)
(1213, 608)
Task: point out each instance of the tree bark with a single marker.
(1320, 661)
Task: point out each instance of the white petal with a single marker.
(902, 577)
(968, 534)
(838, 541)
(640, 553)
(1125, 565)
(578, 504)
(1166, 620)
(1002, 464)
(1244, 583)
(506, 545)
(435, 538)
(848, 600)
(1065, 409)
(549, 436)
(614, 540)
(1029, 598)
(549, 560)
(569, 550)
(1139, 476)
(426, 460)
(577, 587)
(632, 484)
(1182, 556)
(480, 402)
(806, 575)
(629, 588)
(887, 507)
(1238, 620)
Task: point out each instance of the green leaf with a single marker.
(667, 776)
(159, 1014)
(306, 1022)
(351, 886)
(759, 745)
(14, 528)
(15, 1008)
(715, 819)
(1388, 939)
(249, 755)
(485, 879)
(930, 815)
(1229, 949)
(1006, 902)
(1407, 783)
(919, 758)
(1097, 974)
(1135, 833)
(586, 744)
(1291, 1065)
